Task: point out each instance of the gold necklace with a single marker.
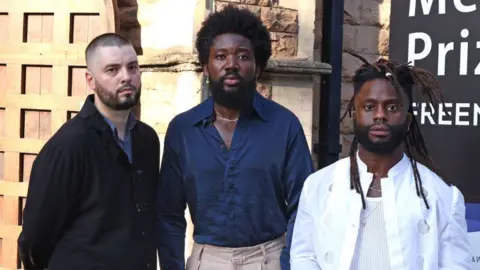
(364, 221)
(374, 189)
(225, 119)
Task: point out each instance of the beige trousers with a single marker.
(261, 257)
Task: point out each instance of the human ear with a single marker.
(90, 80)
(205, 71)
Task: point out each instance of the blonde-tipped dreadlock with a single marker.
(405, 78)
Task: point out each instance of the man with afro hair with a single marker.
(238, 160)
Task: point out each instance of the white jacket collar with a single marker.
(395, 170)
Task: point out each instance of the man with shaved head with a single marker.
(91, 191)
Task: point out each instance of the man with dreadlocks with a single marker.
(385, 207)
(238, 160)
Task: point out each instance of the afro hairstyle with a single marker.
(233, 20)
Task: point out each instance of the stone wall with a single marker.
(366, 31)
(148, 24)
(280, 21)
(155, 25)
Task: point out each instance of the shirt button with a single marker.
(141, 206)
(420, 262)
(143, 233)
(425, 192)
(148, 265)
(423, 226)
(328, 257)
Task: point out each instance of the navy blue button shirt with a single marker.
(237, 197)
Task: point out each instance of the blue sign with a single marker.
(473, 217)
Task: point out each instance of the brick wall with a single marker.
(280, 21)
(128, 22)
(366, 31)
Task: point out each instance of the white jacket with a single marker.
(328, 217)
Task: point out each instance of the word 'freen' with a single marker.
(448, 114)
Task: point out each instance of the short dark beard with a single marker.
(112, 100)
(398, 133)
(234, 100)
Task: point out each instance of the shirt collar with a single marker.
(204, 111)
(367, 177)
(131, 122)
(395, 170)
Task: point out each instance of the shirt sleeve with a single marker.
(298, 167)
(51, 193)
(454, 244)
(302, 252)
(171, 222)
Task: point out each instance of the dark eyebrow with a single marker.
(239, 48)
(390, 100)
(111, 65)
(243, 49)
(135, 62)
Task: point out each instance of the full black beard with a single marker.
(398, 133)
(237, 99)
(113, 101)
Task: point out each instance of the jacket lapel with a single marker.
(352, 221)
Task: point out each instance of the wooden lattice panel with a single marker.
(42, 85)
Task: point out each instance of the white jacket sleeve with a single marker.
(302, 251)
(454, 244)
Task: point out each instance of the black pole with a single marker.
(329, 147)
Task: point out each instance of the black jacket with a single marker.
(87, 207)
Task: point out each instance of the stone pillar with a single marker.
(317, 80)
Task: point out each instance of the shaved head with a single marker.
(104, 40)
(113, 72)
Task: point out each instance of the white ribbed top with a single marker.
(371, 251)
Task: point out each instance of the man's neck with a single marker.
(226, 112)
(379, 165)
(118, 118)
